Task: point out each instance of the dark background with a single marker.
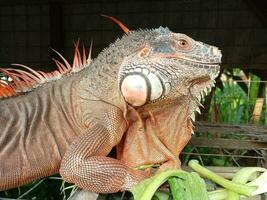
(28, 29)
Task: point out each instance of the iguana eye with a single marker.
(183, 43)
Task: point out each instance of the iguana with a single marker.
(138, 95)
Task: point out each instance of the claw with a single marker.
(198, 110)
(193, 116)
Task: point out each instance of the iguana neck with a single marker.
(99, 81)
(157, 136)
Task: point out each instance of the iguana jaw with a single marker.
(197, 92)
(216, 62)
(142, 85)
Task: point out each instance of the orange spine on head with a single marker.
(123, 27)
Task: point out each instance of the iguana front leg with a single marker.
(85, 163)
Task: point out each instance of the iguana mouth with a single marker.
(200, 80)
(179, 57)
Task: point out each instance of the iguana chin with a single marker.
(139, 94)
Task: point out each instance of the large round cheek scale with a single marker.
(134, 90)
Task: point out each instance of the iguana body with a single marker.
(138, 95)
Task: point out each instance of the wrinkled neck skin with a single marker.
(158, 135)
(99, 82)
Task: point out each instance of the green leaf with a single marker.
(198, 187)
(184, 186)
(178, 189)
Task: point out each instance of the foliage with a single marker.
(185, 185)
(234, 102)
(44, 189)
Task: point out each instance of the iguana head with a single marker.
(161, 65)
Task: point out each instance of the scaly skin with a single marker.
(138, 95)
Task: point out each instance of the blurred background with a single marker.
(231, 132)
(29, 28)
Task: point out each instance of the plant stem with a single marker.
(218, 194)
(238, 188)
(157, 181)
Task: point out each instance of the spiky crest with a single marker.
(26, 79)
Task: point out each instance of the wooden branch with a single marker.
(228, 143)
(257, 110)
(255, 132)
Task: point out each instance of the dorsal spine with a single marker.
(26, 79)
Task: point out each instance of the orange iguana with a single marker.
(139, 94)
